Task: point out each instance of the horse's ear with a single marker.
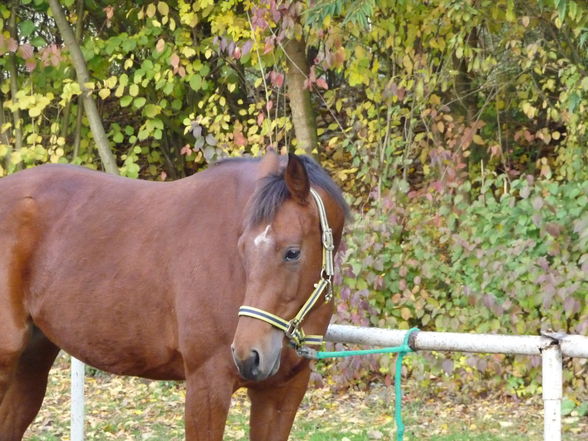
(296, 178)
(269, 165)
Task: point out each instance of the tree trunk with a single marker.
(16, 120)
(83, 77)
(78, 131)
(78, 35)
(463, 82)
(300, 105)
(4, 138)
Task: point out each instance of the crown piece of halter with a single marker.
(291, 328)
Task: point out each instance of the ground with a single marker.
(132, 409)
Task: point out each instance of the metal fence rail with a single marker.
(551, 347)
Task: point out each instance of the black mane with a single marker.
(273, 191)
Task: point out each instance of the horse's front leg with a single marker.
(273, 408)
(208, 397)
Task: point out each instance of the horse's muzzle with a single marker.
(253, 367)
(256, 349)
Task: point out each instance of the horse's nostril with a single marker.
(255, 358)
(249, 367)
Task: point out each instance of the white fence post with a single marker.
(77, 400)
(552, 392)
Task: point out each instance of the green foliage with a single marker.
(461, 135)
(496, 257)
(158, 70)
(434, 89)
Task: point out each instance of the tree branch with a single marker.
(78, 35)
(106, 155)
(16, 119)
(303, 116)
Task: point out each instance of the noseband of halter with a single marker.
(291, 328)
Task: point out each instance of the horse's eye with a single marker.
(292, 255)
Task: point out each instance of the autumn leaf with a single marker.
(322, 83)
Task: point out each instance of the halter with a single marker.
(292, 328)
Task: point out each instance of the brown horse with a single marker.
(146, 279)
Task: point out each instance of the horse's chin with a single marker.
(276, 367)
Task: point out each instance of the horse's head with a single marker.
(282, 251)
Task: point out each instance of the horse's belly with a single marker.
(131, 339)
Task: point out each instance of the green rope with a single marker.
(401, 350)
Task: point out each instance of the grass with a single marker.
(132, 409)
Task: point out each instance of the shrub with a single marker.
(496, 257)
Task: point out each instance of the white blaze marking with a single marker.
(263, 238)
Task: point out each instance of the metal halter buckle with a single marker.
(329, 293)
(307, 352)
(328, 241)
(292, 328)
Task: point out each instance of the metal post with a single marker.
(77, 400)
(552, 392)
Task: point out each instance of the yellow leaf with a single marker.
(110, 82)
(405, 313)
(478, 140)
(163, 8)
(529, 110)
(420, 89)
(151, 10)
(189, 18)
(104, 93)
(435, 99)
(525, 21)
(407, 63)
(15, 157)
(133, 90)
(188, 51)
(119, 91)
